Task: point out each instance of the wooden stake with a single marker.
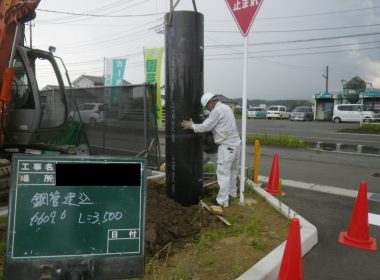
(218, 216)
(209, 184)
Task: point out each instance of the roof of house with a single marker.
(97, 80)
(50, 87)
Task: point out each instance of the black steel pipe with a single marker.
(75, 275)
(184, 88)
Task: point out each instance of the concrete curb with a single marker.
(344, 148)
(269, 267)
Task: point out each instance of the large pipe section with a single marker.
(184, 88)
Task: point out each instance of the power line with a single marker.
(299, 54)
(109, 13)
(297, 30)
(139, 62)
(311, 14)
(300, 40)
(101, 8)
(101, 15)
(325, 13)
(282, 17)
(304, 48)
(115, 36)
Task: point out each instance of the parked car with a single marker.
(277, 112)
(302, 114)
(90, 113)
(352, 113)
(256, 113)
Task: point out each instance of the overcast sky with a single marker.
(290, 42)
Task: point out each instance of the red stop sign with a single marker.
(244, 12)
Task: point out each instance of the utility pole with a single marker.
(326, 76)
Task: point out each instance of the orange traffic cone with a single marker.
(273, 186)
(358, 232)
(291, 264)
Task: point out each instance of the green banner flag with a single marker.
(152, 63)
(114, 73)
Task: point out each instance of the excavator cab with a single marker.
(29, 113)
(36, 113)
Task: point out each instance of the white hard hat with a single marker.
(206, 98)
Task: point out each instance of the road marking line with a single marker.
(328, 138)
(318, 188)
(373, 219)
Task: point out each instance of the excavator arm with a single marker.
(13, 12)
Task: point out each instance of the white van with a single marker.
(351, 113)
(90, 113)
(256, 113)
(277, 112)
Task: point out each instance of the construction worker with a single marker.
(210, 148)
(221, 122)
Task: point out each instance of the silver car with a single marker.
(302, 114)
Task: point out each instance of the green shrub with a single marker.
(365, 128)
(276, 140)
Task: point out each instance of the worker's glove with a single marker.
(187, 124)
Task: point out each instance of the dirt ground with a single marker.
(191, 243)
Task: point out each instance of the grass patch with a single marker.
(3, 224)
(209, 168)
(257, 245)
(365, 129)
(222, 252)
(276, 140)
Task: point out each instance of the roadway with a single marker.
(343, 170)
(311, 131)
(339, 173)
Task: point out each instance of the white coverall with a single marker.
(221, 122)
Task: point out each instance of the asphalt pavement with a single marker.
(331, 214)
(321, 186)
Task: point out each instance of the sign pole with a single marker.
(244, 120)
(244, 12)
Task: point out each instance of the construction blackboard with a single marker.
(76, 207)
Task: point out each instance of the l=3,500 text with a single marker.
(41, 218)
